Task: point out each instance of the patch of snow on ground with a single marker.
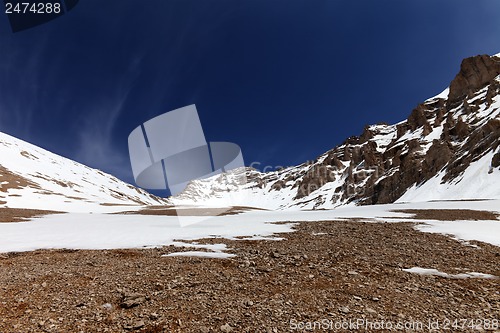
(484, 231)
(215, 250)
(217, 255)
(110, 231)
(435, 272)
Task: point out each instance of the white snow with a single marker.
(475, 183)
(435, 272)
(384, 137)
(435, 134)
(215, 250)
(485, 231)
(219, 255)
(443, 94)
(106, 231)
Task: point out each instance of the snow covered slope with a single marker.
(110, 231)
(31, 177)
(448, 148)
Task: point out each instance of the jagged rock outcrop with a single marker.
(475, 73)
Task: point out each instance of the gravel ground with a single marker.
(329, 273)
(450, 214)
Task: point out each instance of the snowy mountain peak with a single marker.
(32, 177)
(448, 148)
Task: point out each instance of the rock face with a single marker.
(475, 73)
(446, 149)
(495, 162)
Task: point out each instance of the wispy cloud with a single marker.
(97, 146)
(20, 79)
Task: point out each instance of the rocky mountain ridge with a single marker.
(447, 149)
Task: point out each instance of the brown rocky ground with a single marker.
(450, 214)
(338, 271)
(21, 214)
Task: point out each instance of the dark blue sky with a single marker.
(285, 79)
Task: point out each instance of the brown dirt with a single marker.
(13, 181)
(171, 211)
(21, 214)
(449, 214)
(55, 181)
(325, 270)
(28, 155)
